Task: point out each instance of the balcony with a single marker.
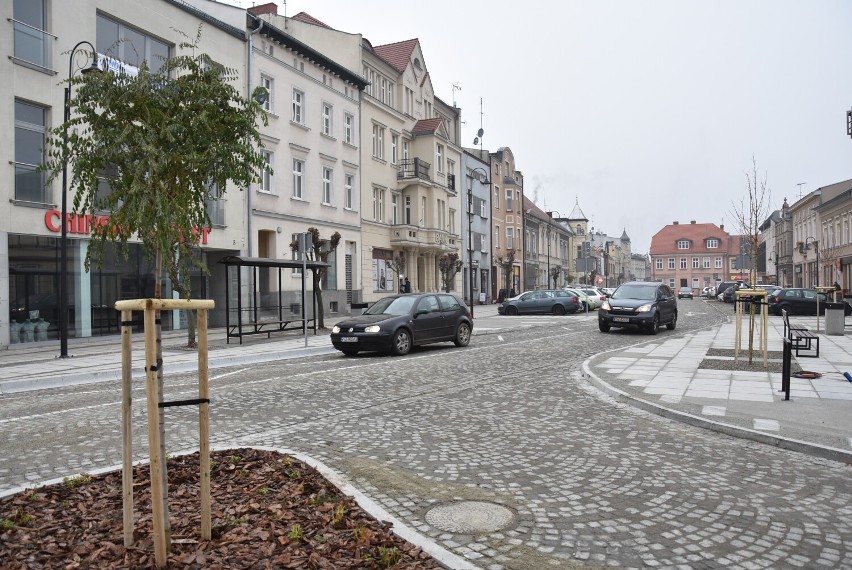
(426, 239)
(414, 168)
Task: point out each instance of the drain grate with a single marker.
(470, 517)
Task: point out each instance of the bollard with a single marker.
(785, 368)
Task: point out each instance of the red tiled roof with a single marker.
(426, 126)
(308, 19)
(398, 54)
(665, 241)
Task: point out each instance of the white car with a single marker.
(596, 297)
(583, 298)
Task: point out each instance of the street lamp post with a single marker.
(559, 216)
(483, 180)
(816, 249)
(63, 243)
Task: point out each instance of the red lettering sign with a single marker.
(82, 225)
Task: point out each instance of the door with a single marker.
(428, 319)
(451, 310)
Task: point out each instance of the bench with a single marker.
(800, 337)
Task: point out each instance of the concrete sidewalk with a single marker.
(689, 378)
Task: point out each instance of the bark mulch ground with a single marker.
(269, 511)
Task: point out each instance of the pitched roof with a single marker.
(426, 126)
(624, 236)
(665, 241)
(308, 19)
(398, 54)
(577, 213)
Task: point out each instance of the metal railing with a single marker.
(33, 45)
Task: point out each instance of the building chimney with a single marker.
(692, 221)
(268, 8)
(675, 222)
(721, 226)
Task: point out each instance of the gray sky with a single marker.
(645, 111)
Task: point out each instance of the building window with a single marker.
(497, 197)
(497, 237)
(378, 142)
(659, 263)
(349, 128)
(327, 119)
(32, 43)
(441, 214)
(378, 204)
(439, 157)
(29, 142)
(129, 45)
(423, 212)
(718, 263)
(695, 263)
(327, 177)
(408, 210)
(394, 145)
(510, 238)
(671, 282)
(683, 263)
(298, 178)
(671, 263)
(683, 244)
(408, 103)
(452, 220)
(483, 211)
(405, 150)
(509, 195)
(266, 178)
(394, 208)
(347, 191)
(268, 83)
(712, 243)
(298, 107)
(706, 263)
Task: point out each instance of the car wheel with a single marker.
(784, 307)
(511, 311)
(462, 335)
(671, 326)
(654, 325)
(584, 307)
(401, 342)
(604, 327)
(558, 310)
(349, 351)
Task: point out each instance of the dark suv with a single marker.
(642, 304)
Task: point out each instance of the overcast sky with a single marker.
(646, 111)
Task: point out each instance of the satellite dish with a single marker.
(475, 140)
(479, 133)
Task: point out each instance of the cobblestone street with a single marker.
(510, 420)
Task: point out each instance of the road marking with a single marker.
(500, 338)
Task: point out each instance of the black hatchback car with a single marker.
(800, 302)
(395, 324)
(641, 304)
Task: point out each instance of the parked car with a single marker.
(800, 301)
(608, 291)
(584, 299)
(554, 301)
(722, 287)
(397, 323)
(595, 295)
(684, 293)
(708, 292)
(642, 304)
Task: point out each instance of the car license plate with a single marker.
(349, 339)
(621, 319)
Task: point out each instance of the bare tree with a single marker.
(449, 265)
(748, 215)
(507, 263)
(397, 265)
(555, 272)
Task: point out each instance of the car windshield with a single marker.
(392, 306)
(643, 292)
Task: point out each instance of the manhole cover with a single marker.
(470, 517)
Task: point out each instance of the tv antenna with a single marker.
(800, 184)
(478, 138)
(455, 88)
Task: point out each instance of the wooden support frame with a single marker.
(150, 308)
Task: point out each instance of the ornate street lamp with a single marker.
(63, 243)
(550, 213)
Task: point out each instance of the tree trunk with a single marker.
(320, 315)
(158, 294)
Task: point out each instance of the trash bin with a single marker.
(835, 318)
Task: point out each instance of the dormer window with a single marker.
(712, 244)
(683, 244)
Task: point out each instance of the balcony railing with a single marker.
(33, 45)
(30, 183)
(414, 168)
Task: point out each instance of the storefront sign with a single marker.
(79, 224)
